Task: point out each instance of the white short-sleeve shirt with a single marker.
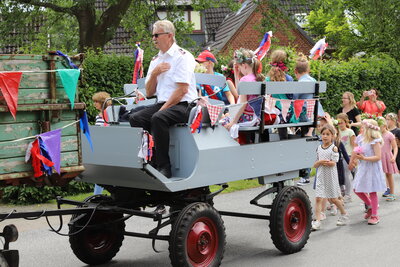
(182, 71)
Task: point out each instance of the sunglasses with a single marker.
(158, 34)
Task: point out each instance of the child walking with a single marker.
(347, 138)
(369, 178)
(327, 185)
(389, 159)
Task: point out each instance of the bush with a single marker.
(23, 195)
(357, 75)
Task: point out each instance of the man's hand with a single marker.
(162, 67)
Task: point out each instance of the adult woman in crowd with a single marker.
(372, 106)
(349, 107)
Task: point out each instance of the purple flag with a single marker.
(52, 141)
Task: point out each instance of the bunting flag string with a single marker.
(256, 104)
(9, 85)
(285, 107)
(52, 144)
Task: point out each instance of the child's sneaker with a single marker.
(387, 192)
(343, 220)
(333, 210)
(391, 197)
(347, 199)
(323, 216)
(303, 182)
(315, 225)
(373, 220)
(368, 213)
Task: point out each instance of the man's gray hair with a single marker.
(166, 26)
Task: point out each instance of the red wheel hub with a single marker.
(202, 242)
(99, 241)
(295, 220)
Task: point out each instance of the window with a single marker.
(190, 16)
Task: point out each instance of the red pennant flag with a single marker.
(9, 84)
(298, 107)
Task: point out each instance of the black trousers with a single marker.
(158, 123)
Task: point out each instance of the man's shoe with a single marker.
(166, 172)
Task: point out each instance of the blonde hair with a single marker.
(276, 75)
(345, 118)
(166, 26)
(392, 116)
(302, 65)
(352, 100)
(370, 131)
(101, 98)
(278, 56)
(246, 56)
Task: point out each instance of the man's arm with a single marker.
(151, 83)
(180, 91)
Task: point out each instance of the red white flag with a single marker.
(310, 108)
(318, 49)
(213, 112)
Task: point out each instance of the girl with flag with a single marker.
(246, 69)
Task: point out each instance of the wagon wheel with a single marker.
(197, 237)
(97, 245)
(290, 222)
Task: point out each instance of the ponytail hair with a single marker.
(276, 74)
(256, 68)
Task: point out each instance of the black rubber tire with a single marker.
(194, 215)
(97, 245)
(290, 219)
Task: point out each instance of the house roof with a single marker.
(231, 24)
(234, 20)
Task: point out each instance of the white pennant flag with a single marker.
(285, 107)
(234, 110)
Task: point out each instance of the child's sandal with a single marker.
(391, 197)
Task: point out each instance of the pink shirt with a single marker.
(249, 78)
(371, 107)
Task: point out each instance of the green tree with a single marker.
(78, 25)
(353, 26)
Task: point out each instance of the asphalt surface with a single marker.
(248, 240)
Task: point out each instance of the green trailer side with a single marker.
(42, 106)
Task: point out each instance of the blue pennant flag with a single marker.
(256, 104)
(85, 128)
(45, 153)
(71, 64)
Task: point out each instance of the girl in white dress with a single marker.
(327, 185)
(370, 177)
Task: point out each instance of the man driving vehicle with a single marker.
(171, 78)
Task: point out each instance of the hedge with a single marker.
(357, 75)
(110, 72)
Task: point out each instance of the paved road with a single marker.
(248, 240)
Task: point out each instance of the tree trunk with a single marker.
(96, 35)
